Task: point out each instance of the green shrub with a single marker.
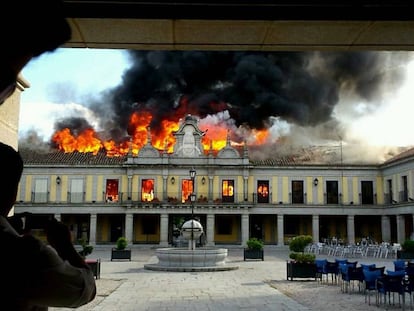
(86, 248)
(298, 243)
(121, 243)
(297, 246)
(408, 246)
(254, 243)
(302, 257)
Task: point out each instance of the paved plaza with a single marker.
(128, 286)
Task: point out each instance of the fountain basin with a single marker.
(183, 259)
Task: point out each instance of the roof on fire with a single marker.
(302, 157)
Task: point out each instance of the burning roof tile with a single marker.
(73, 158)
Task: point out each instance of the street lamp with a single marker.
(192, 199)
(192, 225)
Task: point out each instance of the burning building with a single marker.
(141, 189)
(216, 113)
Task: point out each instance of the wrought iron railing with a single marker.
(172, 198)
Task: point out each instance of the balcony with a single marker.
(123, 199)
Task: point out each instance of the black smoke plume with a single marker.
(302, 88)
(253, 88)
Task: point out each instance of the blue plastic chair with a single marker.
(409, 287)
(399, 264)
(352, 264)
(340, 261)
(320, 267)
(331, 268)
(368, 266)
(370, 282)
(409, 270)
(352, 274)
(381, 269)
(388, 285)
(343, 269)
(395, 273)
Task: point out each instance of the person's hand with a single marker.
(59, 237)
(58, 234)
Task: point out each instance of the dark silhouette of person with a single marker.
(36, 274)
(27, 30)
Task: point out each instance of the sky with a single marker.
(68, 83)
(61, 81)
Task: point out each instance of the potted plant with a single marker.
(121, 251)
(253, 249)
(407, 250)
(301, 264)
(86, 248)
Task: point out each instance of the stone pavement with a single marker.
(127, 286)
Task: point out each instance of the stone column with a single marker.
(315, 228)
(400, 228)
(209, 231)
(280, 230)
(244, 229)
(92, 229)
(210, 189)
(164, 230)
(164, 188)
(386, 228)
(351, 229)
(129, 222)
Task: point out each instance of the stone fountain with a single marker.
(191, 258)
(192, 231)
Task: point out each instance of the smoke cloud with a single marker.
(254, 90)
(300, 87)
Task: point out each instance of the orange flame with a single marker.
(138, 127)
(85, 142)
